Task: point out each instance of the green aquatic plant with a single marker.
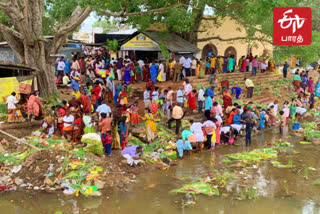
(252, 192)
(223, 178)
(198, 188)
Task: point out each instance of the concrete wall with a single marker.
(7, 55)
(228, 28)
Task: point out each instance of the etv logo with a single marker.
(292, 26)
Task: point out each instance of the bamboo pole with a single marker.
(20, 140)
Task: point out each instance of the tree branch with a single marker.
(75, 20)
(77, 17)
(19, 20)
(11, 31)
(234, 38)
(141, 13)
(14, 40)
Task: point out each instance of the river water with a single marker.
(280, 190)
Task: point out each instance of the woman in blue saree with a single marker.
(116, 93)
(318, 89)
(127, 75)
(153, 72)
(262, 120)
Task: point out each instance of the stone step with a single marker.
(237, 80)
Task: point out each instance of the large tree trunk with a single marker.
(35, 57)
(27, 40)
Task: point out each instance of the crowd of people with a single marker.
(91, 79)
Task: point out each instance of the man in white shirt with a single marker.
(187, 66)
(104, 108)
(11, 106)
(187, 87)
(181, 61)
(275, 104)
(146, 98)
(155, 94)
(113, 61)
(141, 63)
(193, 66)
(61, 65)
(201, 99)
(75, 73)
(67, 124)
(66, 79)
(196, 128)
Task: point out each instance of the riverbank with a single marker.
(150, 193)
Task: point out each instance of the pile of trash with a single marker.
(56, 164)
(161, 151)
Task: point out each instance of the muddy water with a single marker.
(280, 190)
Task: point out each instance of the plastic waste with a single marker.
(50, 169)
(16, 169)
(36, 188)
(69, 191)
(18, 181)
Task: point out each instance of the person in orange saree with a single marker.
(35, 109)
(61, 114)
(218, 126)
(192, 100)
(85, 102)
(229, 119)
(227, 100)
(11, 106)
(77, 128)
(134, 115)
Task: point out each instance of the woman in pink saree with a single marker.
(34, 106)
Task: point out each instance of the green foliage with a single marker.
(164, 51)
(113, 45)
(106, 25)
(305, 53)
(252, 192)
(198, 188)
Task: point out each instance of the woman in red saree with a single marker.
(85, 102)
(123, 99)
(34, 106)
(192, 100)
(134, 115)
(227, 100)
(145, 73)
(77, 129)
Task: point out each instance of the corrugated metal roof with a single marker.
(12, 65)
(174, 43)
